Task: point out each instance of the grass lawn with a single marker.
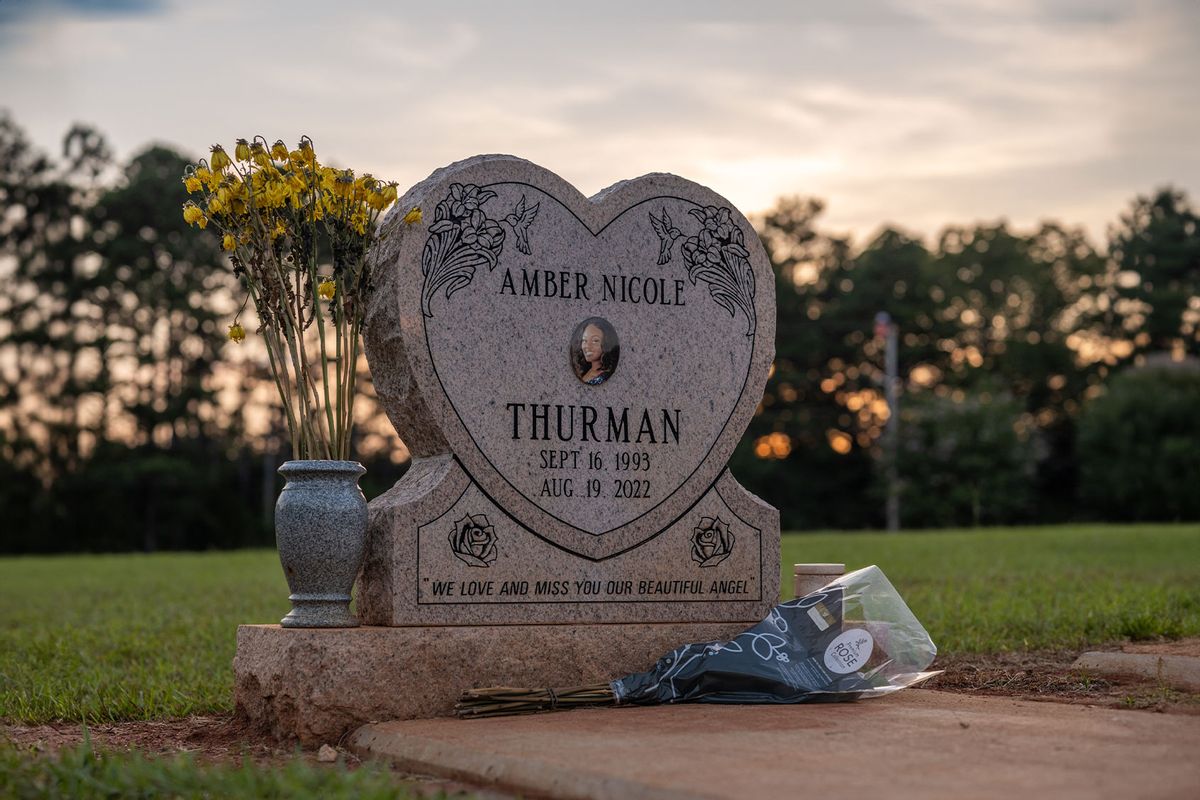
(119, 637)
(1006, 589)
(132, 637)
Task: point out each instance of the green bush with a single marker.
(965, 461)
(1139, 447)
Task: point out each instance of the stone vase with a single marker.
(321, 534)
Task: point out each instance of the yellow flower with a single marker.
(237, 332)
(413, 216)
(192, 184)
(279, 150)
(389, 194)
(220, 160)
(307, 155)
(275, 194)
(261, 156)
(192, 214)
(215, 206)
(242, 151)
(326, 177)
(228, 242)
(344, 184)
(279, 230)
(210, 179)
(358, 219)
(326, 289)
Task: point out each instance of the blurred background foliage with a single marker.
(1043, 379)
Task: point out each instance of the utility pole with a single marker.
(887, 330)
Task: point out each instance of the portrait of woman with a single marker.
(594, 350)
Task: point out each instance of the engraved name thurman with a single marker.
(568, 423)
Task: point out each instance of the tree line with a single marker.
(127, 420)
(1043, 379)
(1027, 361)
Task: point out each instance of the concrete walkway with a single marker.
(1170, 663)
(916, 744)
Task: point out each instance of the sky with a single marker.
(914, 114)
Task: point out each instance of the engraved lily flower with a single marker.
(722, 225)
(709, 250)
(481, 233)
(717, 222)
(466, 199)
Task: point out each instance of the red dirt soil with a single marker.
(1049, 675)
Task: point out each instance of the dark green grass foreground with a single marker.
(102, 638)
(81, 774)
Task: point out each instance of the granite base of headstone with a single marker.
(571, 376)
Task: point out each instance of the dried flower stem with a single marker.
(503, 701)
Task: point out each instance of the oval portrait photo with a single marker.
(594, 350)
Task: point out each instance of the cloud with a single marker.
(918, 113)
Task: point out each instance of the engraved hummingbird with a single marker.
(667, 234)
(520, 219)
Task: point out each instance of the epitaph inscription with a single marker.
(571, 376)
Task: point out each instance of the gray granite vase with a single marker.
(321, 533)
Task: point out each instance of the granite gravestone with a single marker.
(571, 376)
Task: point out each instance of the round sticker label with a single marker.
(849, 651)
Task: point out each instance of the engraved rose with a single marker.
(473, 540)
(712, 542)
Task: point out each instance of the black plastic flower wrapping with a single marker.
(473, 541)
(853, 639)
(712, 541)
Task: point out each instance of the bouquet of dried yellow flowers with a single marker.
(297, 233)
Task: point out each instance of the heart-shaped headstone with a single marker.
(592, 363)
